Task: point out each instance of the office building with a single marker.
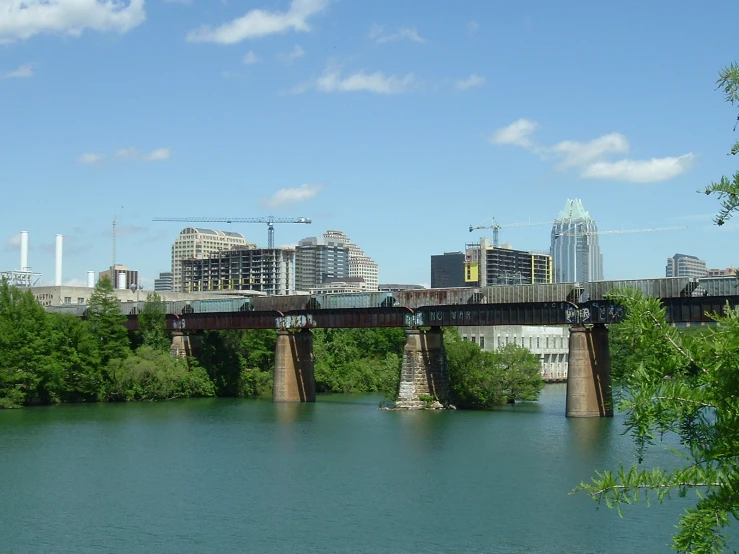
(683, 265)
(120, 276)
(728, 272)
(487, 265)
(164, 283)
(198, 244)
(448, 270)
(267, 270)
(332, 256)
(575, 248)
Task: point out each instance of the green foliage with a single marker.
(153, 323)
(107, 320)
(686, 386)
(24, 347)
(151, 374)
(240, 363)
(727, 188)
(481, 380)
(357, 360)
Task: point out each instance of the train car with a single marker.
(179, 307)
(545, 292)
(717, 286)
(415, 298)
(666, 287)
(352, 300)
(213, 305)
(77, 310)
(295, 302)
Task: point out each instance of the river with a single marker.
(340, 475)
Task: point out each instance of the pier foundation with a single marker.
(589, 375)
(424, 373)
(294, 374)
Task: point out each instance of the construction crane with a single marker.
(583, 247)
(496, 227)
(269, 220)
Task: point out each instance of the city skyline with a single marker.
(392, 123)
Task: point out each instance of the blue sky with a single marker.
(400, 123)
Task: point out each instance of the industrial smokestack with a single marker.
(122, 280)
(58, 266)
(91, 279)
(24, 250)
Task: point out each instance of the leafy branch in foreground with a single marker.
(687, 387)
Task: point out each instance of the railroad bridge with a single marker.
(424, 370)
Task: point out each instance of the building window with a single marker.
(473, 339)
(67, 299)
(80, 300)
(482, 342)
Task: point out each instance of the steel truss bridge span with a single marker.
(678, 310)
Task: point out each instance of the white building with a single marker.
(575, 247)
(198, 244)
(551, 344)
(363, 266)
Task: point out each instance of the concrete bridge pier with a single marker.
(589, 375)
(180, 345)
(294, 376)
(424, 371)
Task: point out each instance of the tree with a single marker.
(727, 188)
(685, 386)
(108, 322)
(153, 323)
(482, 380)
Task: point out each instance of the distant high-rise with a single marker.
(447, 270)
(164, 282)
(682, 265)
(574, 235)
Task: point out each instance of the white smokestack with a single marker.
(91, 279)
(58, 266)
(24, 250)
(122, 280)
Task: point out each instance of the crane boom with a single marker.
(269, 220)
(496, 227)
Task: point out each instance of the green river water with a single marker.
(339, 475)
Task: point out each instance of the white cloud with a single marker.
(472, 27)
(158, 155)
(591, 157)
(260, 23)
(472, 81)
(15, 240)
(250, 57)
(378, 34)
(517, 133)
(575, 153)
(22, 19)
(294, 54)
(640, 171)
(289, 196)
(22, 72)
(332, 81)
(90, 158)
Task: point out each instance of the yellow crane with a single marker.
(496, 227)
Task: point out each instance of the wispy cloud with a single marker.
(517, 133)
(288, 196)
(296, 53)
(591, 157)
(158, 155)
(332, 81)
(23, 72)
(260, 23)
(473, 27)
(379, 35)
(22, 19)
(13, 243)
(470, 82)
(250, 57)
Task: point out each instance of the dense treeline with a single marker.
(49, 358)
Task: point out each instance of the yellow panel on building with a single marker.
(471, 272)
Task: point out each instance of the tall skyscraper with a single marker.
(575, 247)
